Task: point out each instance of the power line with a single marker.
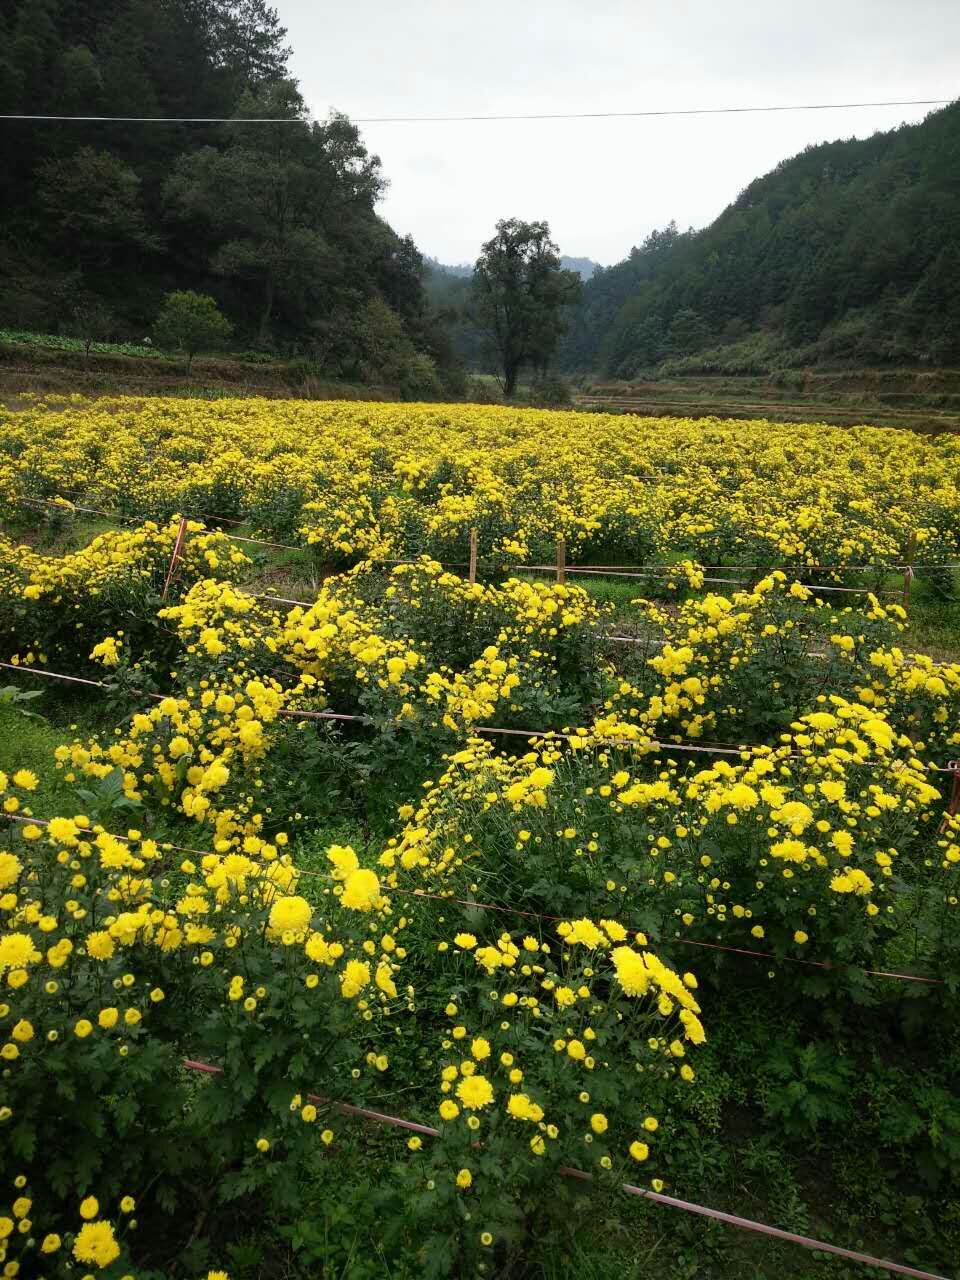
(559, 115)
(633, 115)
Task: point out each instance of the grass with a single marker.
(59, 715)
(30, 744)
(292, 574)
(53, 533)
(935, 622)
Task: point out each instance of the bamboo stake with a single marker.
(908, 569)
(561, 560)
(473, 557)
(177, 546)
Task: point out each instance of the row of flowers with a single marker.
(356, 480)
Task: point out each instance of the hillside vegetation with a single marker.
(849, 253)
(277, 222)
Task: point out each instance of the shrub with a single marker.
(191, 322)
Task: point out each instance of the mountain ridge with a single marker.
(845, 251)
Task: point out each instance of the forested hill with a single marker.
(849, 251)
(278, 222)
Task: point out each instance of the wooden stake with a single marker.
(953, 804)
(908, 571)
(473, 556)
(561, 560)
(177, 547)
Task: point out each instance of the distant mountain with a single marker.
(460, 271)
(848, 252)
(584, 266)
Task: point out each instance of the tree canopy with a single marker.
(521, 293)
(278, 223)
(190, 322)
(844, 252)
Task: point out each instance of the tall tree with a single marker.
(248, 39)
(277, 196)
(520, 292)
(93, 202)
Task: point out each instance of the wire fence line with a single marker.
(485, 118)
(657, 1197)
(645, 743)
(65, 506)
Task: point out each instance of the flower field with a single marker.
(355, 480)
(566, 891)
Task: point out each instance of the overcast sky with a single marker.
(603, 185)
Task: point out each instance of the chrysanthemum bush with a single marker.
(743, 667)
(422, 645)
(421, 655)
(124, 962)
(371, 648)
(120, 960)
(557, 1053)
(824, 847)
(55, 608)
(199, 752)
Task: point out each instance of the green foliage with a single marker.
(58, 342)
(104, 799)
(282, 218)
(806, 1088)
(520, 293)
(190, 322)
(846, 252)
(18, 699)
(92, 205)
(87, 317)
(269, 196)
(687, 333)
(550, 392)
(387, 354)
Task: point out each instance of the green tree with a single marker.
(274, 198)
(248, 39)
(82, 314)
(80, 83)
(92, 203)
(520, 293)
(191, 322)
(33, 49)
(687, 334)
